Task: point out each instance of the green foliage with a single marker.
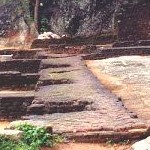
(44, 23)
(35, 135)
(8, 144)
(33, 138)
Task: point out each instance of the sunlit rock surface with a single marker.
(142, 145)
(129, 78)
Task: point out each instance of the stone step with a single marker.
(39, 107)
(117, 51)
(132, 43)
(124, 44)
(44, 82)
(21, 65)
(93, 126)
(67, 41)
(13, 104)
(144, 42)
(16, 94)
(20, 54)
(14, 79)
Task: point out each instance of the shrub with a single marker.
(33, 138)
(37, 136)
(8, 144)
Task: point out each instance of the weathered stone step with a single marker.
(132, 43)
(118, 51)
(21, 65)
(20, 54)
(45, 66)
(124, 44)
(9, 73)
(38, 43)
(144, 42)
(94, 126)
(44, 82)
(13, 104)
(13, 79)
(10, 93)
(41, 107)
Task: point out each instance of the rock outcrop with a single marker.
(79, 17)
(133, 21)
(72, 18)
(15, 26)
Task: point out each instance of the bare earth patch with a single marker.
(3, 124)
(129, 78)
(83, 146)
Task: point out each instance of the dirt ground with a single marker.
(83, 146)
(3, 124)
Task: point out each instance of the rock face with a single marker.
(93, 17)
(74, 18)
(15, 27)
(79, 17)
(133, 21)
(128, 77)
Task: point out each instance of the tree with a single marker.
(36, 13)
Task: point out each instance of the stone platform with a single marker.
(70, 97)
(101, 116)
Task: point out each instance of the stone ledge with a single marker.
(104, 136)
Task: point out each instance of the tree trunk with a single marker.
(36, 13)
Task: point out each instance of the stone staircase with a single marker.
(60, 90)
(18, 78)
(56, 75)
(81, 109)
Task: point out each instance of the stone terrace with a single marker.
(70, 98)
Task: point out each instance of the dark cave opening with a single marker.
(74, 25)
